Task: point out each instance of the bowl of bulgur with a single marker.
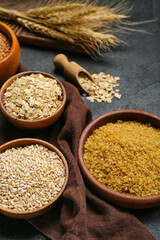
(34, 174)
(9, 52)
(32, 99)
(119, 156)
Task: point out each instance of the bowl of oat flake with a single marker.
(119, 157)
(32, 99)
(34, 174)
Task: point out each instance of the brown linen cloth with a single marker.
(80, 214)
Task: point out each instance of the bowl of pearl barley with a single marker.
(34, 174)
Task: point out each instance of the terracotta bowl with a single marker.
(34, 124)
(9, 64)
(41, 210)
(106, 193)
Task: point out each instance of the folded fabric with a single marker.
(80, 214)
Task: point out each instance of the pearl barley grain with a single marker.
(31, 177)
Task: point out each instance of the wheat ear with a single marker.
(38, 28)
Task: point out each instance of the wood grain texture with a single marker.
(29, 38)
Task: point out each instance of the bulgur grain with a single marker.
(33, 97)
(125, 157)
(5, 46)
(30, 177)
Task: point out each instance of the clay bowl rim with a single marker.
(100, 189)
(10, 80)
(41, 210)
(12, 38)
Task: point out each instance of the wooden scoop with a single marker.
(72, 70)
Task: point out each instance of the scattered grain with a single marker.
(101, 90)
(30, 177)
(33, 97)
(125, 157)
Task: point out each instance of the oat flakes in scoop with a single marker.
(102, 89)
(33, 97)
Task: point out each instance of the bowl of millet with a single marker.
(32, 100)
(9, 52)
(34, 174)
(119, 156)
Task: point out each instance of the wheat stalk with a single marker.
(80, 14)
(80, 23)
(51, 10)
(93, 40)
(38, 28)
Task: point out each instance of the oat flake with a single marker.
(102, 90)
(33, 97)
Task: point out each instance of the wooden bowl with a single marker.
(41, 210)
(106, 193)
(9, 64)
(34, 124)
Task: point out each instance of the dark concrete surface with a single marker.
(138, 65)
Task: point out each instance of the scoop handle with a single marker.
(71, 69)
(60, 61)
